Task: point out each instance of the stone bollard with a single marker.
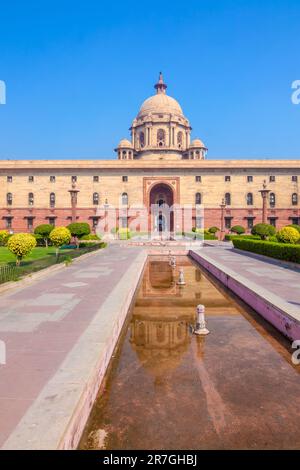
(181, 281)
(201, 323)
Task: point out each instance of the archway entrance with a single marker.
(161, 200)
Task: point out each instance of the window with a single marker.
(199, 222)
(272, 221)
(8, 223)
(295, 220)
(52, 179)
(294, 199)
(52, 199)
(272, 179)
(124, 155)
(30, 199)
(30, 179)
(9, 179)
(74, 179)
(179, 139)
(295, 178)
(272, 199)
(95, 222)
(125, 199)
(227, 178)
(227, 199)
(249, 199)
(198, 179)
(198, 198)
(30, 223)
(123, 222)
(52, 221)
(228, 223)
(142, 139)
(9, 199)
(249, 179)
(124, 179)
(161, 138)
(96, 179)
(96, 199)
(250, 223)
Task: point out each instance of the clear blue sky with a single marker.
(77, 72)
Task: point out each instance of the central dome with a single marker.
(160, 103)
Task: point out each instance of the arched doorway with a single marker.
(161, 200)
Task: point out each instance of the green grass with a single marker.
(6, 257)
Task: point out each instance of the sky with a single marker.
(76, 74)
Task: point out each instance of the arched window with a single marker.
(9, 199)
(249, 199)
(294, 199)
(52, 199)
(30, 199)
(161, 138)
(272, 199)
(142, 139)
(125, 199)
(96, 199)
(180, 139)
(228, 199)
(198, 198)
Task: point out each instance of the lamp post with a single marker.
(264, 194)
(106, 206)
(73, 192)
(222, 205)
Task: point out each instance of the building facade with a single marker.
(161, 165)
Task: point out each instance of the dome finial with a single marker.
(160, 85)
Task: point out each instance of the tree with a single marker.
(78, 230)
(238, 229)
(263, 231)
(44, 231)
(4, 236)
(21, 244)
(60, 236)
(288, 235)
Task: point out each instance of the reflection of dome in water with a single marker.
(159, 345)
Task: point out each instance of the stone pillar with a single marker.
(73, 193)
(264, 194)
(222, 205)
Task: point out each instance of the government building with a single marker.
(160, 164)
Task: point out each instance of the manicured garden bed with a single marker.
(39, 258)
(281, 251)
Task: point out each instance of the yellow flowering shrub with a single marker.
(4, 235)
(21, 244)
(60, 236)
(288, 235)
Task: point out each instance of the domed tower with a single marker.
(160, 130)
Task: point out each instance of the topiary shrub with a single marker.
(91, 236)
(60, 236)
(79, 230)
(213, 230)
(44, 231)
(124, 233)
(263, 230)
(238, 229)
(296, 226)
(21, 244)
(230, 237)
(4, 236)
(288, 235)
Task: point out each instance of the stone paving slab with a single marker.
(59, 331)
(270, 287)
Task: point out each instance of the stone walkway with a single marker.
(41, 323)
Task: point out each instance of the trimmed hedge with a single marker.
(229, 237)
(282, 251)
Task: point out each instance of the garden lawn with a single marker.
(6, 257)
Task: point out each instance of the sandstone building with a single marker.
(159, 164)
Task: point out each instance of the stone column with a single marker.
(222, 205)
(73, 193)
(264, 194)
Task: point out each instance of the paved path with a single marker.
(281, 280)
(41, 323)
